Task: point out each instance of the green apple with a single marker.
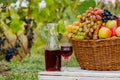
(118, 31)
(111, 23)
(104, 32)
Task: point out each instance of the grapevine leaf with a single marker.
(66, 2)
(60, 28)
(35, 12)
(50, 2)
(85, 5)
(43, 33)
(15, 25)
(45, 15)
(22, 13)
(70, 14)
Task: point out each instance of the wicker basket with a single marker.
(100, 54)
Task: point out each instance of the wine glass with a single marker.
(66, 51)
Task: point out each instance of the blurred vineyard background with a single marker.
(62, 12)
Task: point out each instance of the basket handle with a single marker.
(95, 34)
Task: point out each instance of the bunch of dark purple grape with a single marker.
(9, 52)
(29, 31)
(107, 15)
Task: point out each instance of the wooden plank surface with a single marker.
(78, 74)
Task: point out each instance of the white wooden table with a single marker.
(78, 74)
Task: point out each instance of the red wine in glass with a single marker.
(53, 60)
(66, 51)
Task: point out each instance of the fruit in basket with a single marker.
(111, 23)
(113, 30)
(118, 31)
(94, 23)
(104, 32)
(118, 21)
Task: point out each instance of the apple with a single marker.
(118, 21)
(104, 32)
(113, 30)
(118, 31)
(111, 23)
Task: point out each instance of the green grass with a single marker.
(29, 68)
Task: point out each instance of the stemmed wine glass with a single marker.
(66, 51)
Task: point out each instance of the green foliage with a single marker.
(71, 15)
(60, 28)
(22, 12)
(8, 1)
(62, 11)
(55, 11)
(28, 69)
(85, 5)
(15, 22)
(43, 32)
(15, 26)
(34, 7)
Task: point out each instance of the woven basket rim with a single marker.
(97, 43)
(107, 39)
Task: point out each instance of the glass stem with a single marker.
(66, 64)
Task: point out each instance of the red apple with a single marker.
(113, 30)
(118, 21)
(118, 31)
(104, 32)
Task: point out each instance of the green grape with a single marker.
(80, 29)
(80, 33)
(81, 37)
(76, 37)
